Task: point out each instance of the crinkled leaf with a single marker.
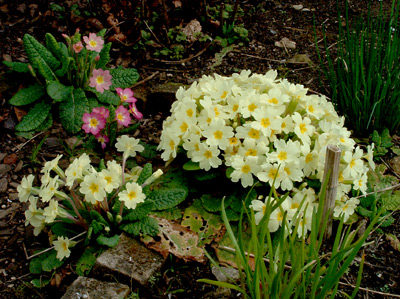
(168, 198)
(145, 173)
(46, 71)
(386, 222)
(97, 216)
(170, 214)
(391, 201)
(26, 135)
(210, 203)
(141, 211)
(206, 175)
(63, 229)
(108, 97)
(72, 110)
(146, 226)
(59, 92)
(150, 150)
(93, 103)
(53, 46)
(177, 240)
(47, 123)
(104, 57)
(35, 266)
(108, 241)
(34, 117)
(37, 52)
(87, 261)
(376, 138)
(96, 226)
(17, 66)
(67, 63)
(50, 261)
(28, 95)
(386, 140)
(123, 78)
(232, 215)
(364, 212)
(130, 130)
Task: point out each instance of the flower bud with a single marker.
(153, 177)
(110, 217)
(119, 218)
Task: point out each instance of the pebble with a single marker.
(3, 206)
(3, 185)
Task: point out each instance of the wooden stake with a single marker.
(332, 162)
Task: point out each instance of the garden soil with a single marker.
(267, 22)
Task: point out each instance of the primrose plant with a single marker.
(100, 201)
(71, 79)
(265, 129)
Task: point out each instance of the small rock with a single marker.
(13, 196)
(4, 168)
(128, 261)
(3, 185)
(19, 166)
(300, 58)
(219, 293)
(84, 287)
(298, 6)
(53, 142)
(2, 155)
(231, 272)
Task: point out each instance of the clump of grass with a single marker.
(365, 77)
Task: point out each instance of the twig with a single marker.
(377, 191)
(20, 146)
(163, 70)
(262, 58)
(48, 249)
(390, 167)
(369, 290)
(146, 79)
(184, 60)
(295, 29)
(152, 33)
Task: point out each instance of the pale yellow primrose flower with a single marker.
(132, 195)
(346, 208)
(93, 187)
(207, 156)
(34, 216)
(51, 211)
(48, 191)
(128, 145)
(61, 245)
(25, 189)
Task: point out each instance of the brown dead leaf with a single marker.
(95, 23)
(177, 3)
(4, 8)
(19, 113)
(117, 37)
(286, 43)
(176, 239)
(10, 159)
(191, 29)
(394, 242)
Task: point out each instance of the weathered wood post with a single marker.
(332, 162)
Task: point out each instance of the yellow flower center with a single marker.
(345, 207)
(265, 122)
(251, 152)
(255, 134)
(184, 126)
(218, 134)
(233, 140)
(352, 163)
(132, 195)
(93, 43)
(99, 80)
(196, 147)
(279, 216)
(303, 128)
(93, 122)
(272, 173)
(282, 156)
(108, 179)
(252, 107)
(189, 112)
(287, 170)
(309, 158)
(246, 168)
(283, 125)
(216, 111)
(120, 116)
(94, 188)
(294, 205)
(172, 145)
(208, 154)
(65, 246)
(311, 108)
(124, 97)
(224, 94)
(273, 101)
(235, 107)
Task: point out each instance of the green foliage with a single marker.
(87, 260)
(309, 275)
(382, 142)
(108, 241)
(364, 78)
(167, 198)
(63, 80)
(147, 226)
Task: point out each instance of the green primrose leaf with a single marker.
(40, 282)
(130, 130)
(35, 266)
(145, 173)
(27, 95)
(34, 117)
(59, 92)
(87, 261)
(46, 124)
(67, 63)
(386, 140)
(108, 241)
(123, 78)
(96, 227)
(210, 203)
(19, 67)
(108, 97)
(190, 165)
(72, 110)
(146, 226)
(142, 210)
(37, 53)
(93, 103)
(53, 46)
(167, 198)
(50, 261)
(63, 229)
(376, 138)
(104, 57)
(96, 216)
(45, 71)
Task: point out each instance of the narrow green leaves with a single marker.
(37, 53)
(16, 66)
(27, 95)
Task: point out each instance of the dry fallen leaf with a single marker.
(286, 43)
(19, 113)
(191, 29)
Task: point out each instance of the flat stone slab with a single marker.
(84, 287)
(128, 261)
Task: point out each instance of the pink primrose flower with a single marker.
(101, 80)
(93, 123)
(134, 111)
(122, 116)
(77, 47)
(104, 112)
(93, 42)
(103, 139)
(126, 95)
